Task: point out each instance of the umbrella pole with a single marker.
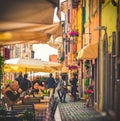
(25, 70)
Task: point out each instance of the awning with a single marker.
(64, 69)
(88, 52)
(64, 6)
(35, 33)
(30, 65)
(28, 21)
(28, 11)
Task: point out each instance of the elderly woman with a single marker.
(12, 93)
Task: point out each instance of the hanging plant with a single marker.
(74, 33)
(86, 64)
(87, 81)
(61, 59)
(73, 67)
(76, 73)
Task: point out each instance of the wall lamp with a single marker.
(101, 28)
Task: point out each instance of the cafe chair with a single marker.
(20, 108)
(9, 117)
(3, 104)
(6, 115)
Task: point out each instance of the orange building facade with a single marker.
(53, 58)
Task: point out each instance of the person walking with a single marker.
(63, 90)
(51, 85)
(74, 86)
(58, 88)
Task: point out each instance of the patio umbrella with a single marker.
(30, 65)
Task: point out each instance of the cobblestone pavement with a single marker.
(77, 111)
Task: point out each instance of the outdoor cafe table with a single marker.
(42, 111)
(40, 106)
(44, 103)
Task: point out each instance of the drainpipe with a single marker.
(101, 66)
(89, 24)
(117, 66)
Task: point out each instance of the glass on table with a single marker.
(46, 92)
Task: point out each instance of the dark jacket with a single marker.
(11, 96)
(19, 79)
(74, 81)
(25, 84)
(51, 82)
(64, 87)
(74, 85)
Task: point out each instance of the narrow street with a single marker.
(77, 111)
(84, 41)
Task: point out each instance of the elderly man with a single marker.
(12, 93)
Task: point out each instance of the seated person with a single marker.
(37, 79)
(37, 88)
(12, 93)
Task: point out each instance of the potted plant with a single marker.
(27, 115)
(2, 60)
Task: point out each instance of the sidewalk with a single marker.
(57, 115)
(77, 111)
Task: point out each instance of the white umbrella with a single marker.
(29, 65)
